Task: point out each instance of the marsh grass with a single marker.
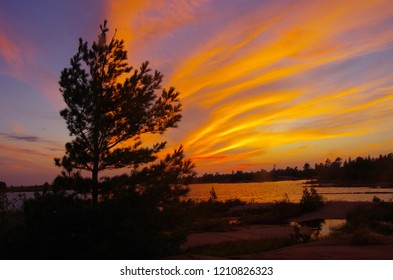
(217, 216)
(212, 224)
(369, 223)
(275, 214)
(363, 235)
(377, 217)
(214, 215)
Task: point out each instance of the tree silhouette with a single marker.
(109, 106)
(3, 198)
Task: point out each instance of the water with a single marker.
(277, 191)
(264, 192)
(15, 199)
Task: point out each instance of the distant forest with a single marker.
(362, 170)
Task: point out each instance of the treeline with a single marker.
(359, 170)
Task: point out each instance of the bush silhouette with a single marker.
(311, 200)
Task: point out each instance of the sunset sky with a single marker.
(262, 83)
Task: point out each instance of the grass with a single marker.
(217, 216)
(275, 214)
(245, 247)
(212, 225)
(204, 216)
(363, 235)
(377, 217)
(369, 223)
(213, 215)
(9, 220)
(366, 224)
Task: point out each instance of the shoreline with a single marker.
(331, 248)
(330, 210)
(349, 184)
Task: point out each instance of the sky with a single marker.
(262, 83)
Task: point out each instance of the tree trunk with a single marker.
(96, 160)
(94, 189)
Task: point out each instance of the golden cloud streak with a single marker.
(269, 77)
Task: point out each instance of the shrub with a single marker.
(213, 195)
(296, 235)
(311, 200)
(60, 226)
(363, 235)
(376, 199)
(277, 213)
(376, 216)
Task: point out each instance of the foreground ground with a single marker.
(339, 247)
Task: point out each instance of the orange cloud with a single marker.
(263, 64)
(142, 22)
(209, 158)
(267, 78)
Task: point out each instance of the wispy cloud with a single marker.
(14, 50)
(26, 138)
(144, 22)
(22, 60)
(23, 138)
(261, 82)
(31, 144)
(262, 76)
(24, 160)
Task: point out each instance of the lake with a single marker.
(265, 192)
(276, 191)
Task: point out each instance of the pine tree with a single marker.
(109, 106)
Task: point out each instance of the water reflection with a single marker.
(267, 192)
